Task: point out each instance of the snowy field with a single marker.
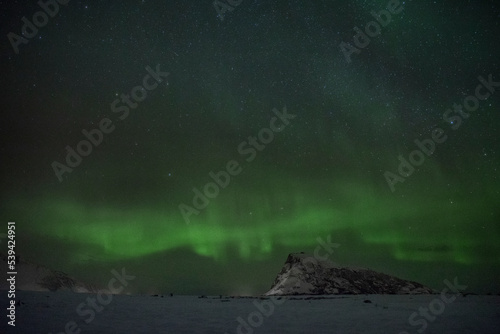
(66, 312)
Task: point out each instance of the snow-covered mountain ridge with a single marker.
(304, 275)
(33, 277)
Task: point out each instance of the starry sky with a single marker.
(226, 75)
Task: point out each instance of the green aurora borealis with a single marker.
(322, 175)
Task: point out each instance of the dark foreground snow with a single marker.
(45, 312)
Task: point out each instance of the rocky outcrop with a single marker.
(305, 275)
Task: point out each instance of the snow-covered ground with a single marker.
(51, 312)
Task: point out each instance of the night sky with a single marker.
(324, 170)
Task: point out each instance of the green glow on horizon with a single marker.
(256, 227)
